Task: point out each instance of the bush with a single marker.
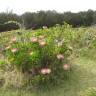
(10, 25)
(42, 55)
(2, 28)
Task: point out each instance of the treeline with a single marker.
(38, 19)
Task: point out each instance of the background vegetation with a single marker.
(34, 20)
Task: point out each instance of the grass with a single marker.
(84, 77)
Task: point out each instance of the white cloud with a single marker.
(20, 6)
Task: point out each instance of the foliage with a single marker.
(35, 20)
(5, 17)
(42, 54)
(10, 25)
(89, 92)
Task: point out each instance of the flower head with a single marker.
(13, 39)
(14, 50)
(60, 56)
(66, 66)
(45, 71)
(34, 39)
(48, 71)
(42, 43)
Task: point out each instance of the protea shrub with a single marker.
(38, 56)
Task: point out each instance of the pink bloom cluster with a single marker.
(66, 66)
(42, 43)
(60, 56)
(34, 39)
(14, 39)
(41, 40)
(45, 71)
(14, 50)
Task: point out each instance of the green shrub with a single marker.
(42, 54)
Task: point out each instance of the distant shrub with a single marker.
(10, 25)
(2, 28)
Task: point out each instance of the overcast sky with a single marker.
(21, 6)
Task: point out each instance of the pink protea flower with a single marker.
(34, 39)
(42, 43)
(60, 56)
(13, 39)
(14, 50)
(45, 71)
(48, 71)
(66, 66)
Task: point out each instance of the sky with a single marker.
(21, 6)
